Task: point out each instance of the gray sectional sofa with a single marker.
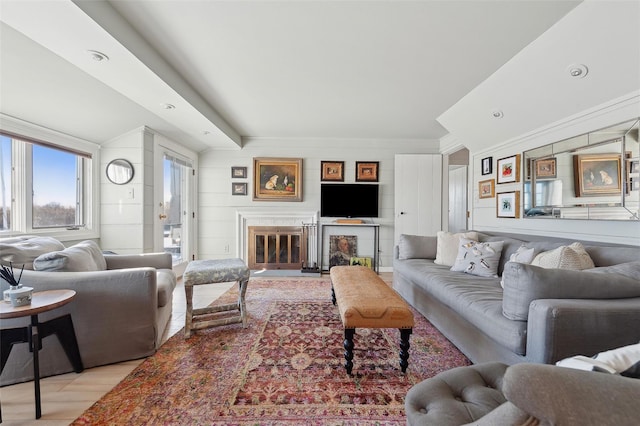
(541, 315)
(122, 306)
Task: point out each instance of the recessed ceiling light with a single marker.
(577, 70)
(496, 113)
(97, 56)
(168, 106)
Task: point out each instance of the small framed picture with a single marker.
(545, 168)
(634, 168)
(597, 174)
(239, 172)
(508, 204)
(487, 166)
(332, 171)
(509, 169)
(367, 171)
(238, 188)
(487, 188)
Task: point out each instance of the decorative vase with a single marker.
(19, 295)
(6, 295)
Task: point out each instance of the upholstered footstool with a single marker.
(366, 301)
(455, 397)
(199, 272)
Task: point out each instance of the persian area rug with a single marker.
(286, 368)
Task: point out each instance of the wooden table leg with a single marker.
(404, 348)
(34, 346)
(348, 348)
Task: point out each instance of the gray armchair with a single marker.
(118, 314)
(523, 394)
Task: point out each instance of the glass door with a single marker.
(174, 207)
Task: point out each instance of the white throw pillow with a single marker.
(447, 246)
(82, 257)
(573, 256)
(524, 254)
(479, 259)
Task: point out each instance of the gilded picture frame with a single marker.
(597, 175)
(332, 171)
(277, 179)
(487, 188)
(545, 168)
(367, 171)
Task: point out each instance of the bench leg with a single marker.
(188, 290)
(348, 348)
(333, 295)
(404, 348)
(241, 302)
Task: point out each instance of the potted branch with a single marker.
(17, 294)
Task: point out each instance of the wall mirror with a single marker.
(591, 176)
(119, 171)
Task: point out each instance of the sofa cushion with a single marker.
(416, 247)
(477, 258)
(573, 256)
(447, 246)
(526, 283)
(24, 250)
(624, 361)
(82, 257)
(628, 269)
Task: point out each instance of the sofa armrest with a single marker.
(560, 328)
(121, 304)
(152, 260)
(564, 396)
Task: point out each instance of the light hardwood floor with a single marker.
(65, 397)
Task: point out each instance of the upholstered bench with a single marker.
(366, 301)
(200, 272)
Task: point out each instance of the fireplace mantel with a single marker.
(270, 217)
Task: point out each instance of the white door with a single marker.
(418, 194)
(457, 198)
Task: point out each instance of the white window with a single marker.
(45, 188)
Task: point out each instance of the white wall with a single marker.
(484, 210)
(217, 207)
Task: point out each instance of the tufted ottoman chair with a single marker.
(457, 396)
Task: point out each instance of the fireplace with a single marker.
(278, 240)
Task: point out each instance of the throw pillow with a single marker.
(573, 256)
(524, 254)
(477, 258)
(24, 250)
(525, 283)
(624, 361)
(416, 247)
(447, 246)
(82, 257)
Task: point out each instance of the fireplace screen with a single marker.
(276, 247)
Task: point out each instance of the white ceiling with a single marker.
(273, 69)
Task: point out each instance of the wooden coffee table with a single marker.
(33, 334)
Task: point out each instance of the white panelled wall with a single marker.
(484, 210)
(217, 207)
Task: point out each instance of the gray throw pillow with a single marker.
(477, 258)
(525, 283)
(82, 257)
(417, 247)
(25, 249)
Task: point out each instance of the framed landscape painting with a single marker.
(277, 179)
(509, 169)
(597, 174)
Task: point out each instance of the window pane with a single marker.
(5, 183)
(55, 178)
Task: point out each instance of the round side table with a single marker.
(42, 301)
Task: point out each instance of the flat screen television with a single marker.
(348, 200)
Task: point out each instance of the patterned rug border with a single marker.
(181, 385)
